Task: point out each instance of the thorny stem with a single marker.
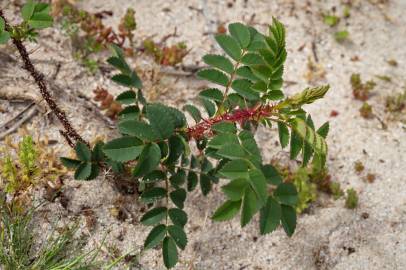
(70, 134)
(238, 116)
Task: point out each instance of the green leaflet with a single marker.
(148, 161)
(235, 189)
(123, 149)
(156, 235)
(270, 216)
(283, 134)
(220, 62)
(177, 216)
(227, 211)
(127, 97)
(169, 252)
(212, 94)
(243, 87)
(234, 169)
(83, 171)
(153, 216)
(286, 193)
(83, 152)
(214, 76)
(178, 235)
(241, 33)
(250, 206)
(178, 197)
(250, 59)
(138, 129)
(70, 163)
(229, 45)
(194, 112)
(271, 174)
(288, 219)
(153, 194)
(161, 120)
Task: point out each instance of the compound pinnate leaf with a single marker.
(220, 62)
(123, 149)
(227, 211)
(214, 76)
(169, 252)
(229, 45)
(155, 236)
(270, 216)
(288, 219)
(153, 216)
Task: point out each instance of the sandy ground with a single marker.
(329, 236)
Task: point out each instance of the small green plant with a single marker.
(155, 140)
(361, 91)
(366, 111)
(307, 191)
(170, 157)
(331, 20)
(396, 103)
(341, 36)
(351, 201)
(60, 251)
(27, 163)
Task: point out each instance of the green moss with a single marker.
(336, 190)
(307, 191)
(351, 201)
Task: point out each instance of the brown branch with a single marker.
(70, 133)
